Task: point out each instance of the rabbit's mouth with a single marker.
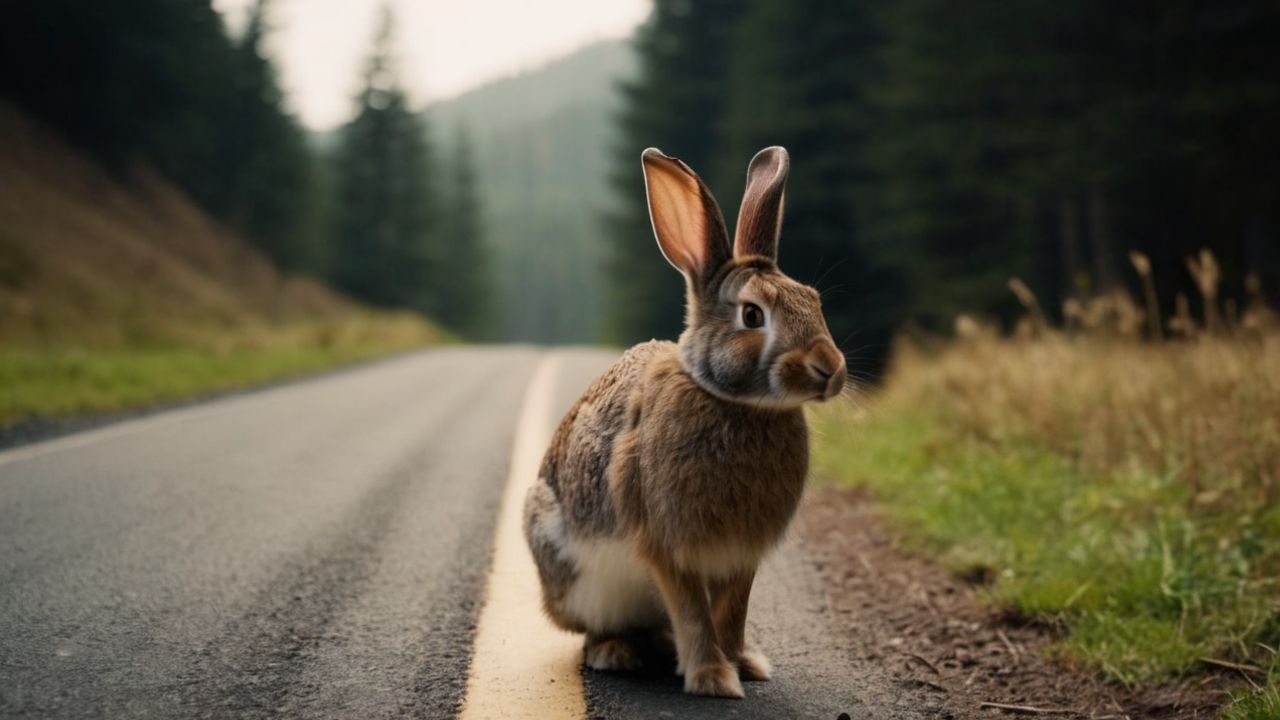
(835, 384)
(831, 384)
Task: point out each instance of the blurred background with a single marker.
(1047, 234)
(196, 195)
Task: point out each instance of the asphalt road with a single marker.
(320, 550)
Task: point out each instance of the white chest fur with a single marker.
(614, 590)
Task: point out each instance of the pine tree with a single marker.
(385, 249)
(465, 291)
(267, 169)
(955, 117)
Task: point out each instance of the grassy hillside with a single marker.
(119, 291)
(542, 142)
(1125, 492)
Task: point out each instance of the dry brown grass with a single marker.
(1206, 411)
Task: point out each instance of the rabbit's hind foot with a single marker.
(610, 653)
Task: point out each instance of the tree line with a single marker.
(372, 210)
(940, 148)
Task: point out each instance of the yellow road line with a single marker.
(522, 666)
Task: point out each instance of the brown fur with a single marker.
(729, 600)
(692, 471)
(583, 444)
(555, 573)
(693, 454)
(760, 216)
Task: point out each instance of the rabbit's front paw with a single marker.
(718, 680)
(753, 665)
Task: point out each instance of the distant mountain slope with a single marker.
(541, 142)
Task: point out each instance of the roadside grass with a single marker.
(67, 379)
(1126, 492)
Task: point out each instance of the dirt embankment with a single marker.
(107, 259)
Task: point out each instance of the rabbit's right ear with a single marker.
(686, 219)
(760, 217)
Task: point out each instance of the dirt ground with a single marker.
(930, 626)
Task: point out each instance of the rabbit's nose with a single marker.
(826, 365)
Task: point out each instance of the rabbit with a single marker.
(682, 465)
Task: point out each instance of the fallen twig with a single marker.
(925, 662)
(862, 559)
(1116, 705)
(1025, 709)
(1008, 645)
(1231, 665)
(935, 686)
(926, 601)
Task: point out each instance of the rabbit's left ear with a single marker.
(760, 218)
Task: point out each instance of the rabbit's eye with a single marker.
(752, 315)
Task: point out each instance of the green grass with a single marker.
(1145, 580)
(1260, 702)
(67, 380)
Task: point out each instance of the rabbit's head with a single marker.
(752, 334)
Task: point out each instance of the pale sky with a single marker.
(445, 47)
